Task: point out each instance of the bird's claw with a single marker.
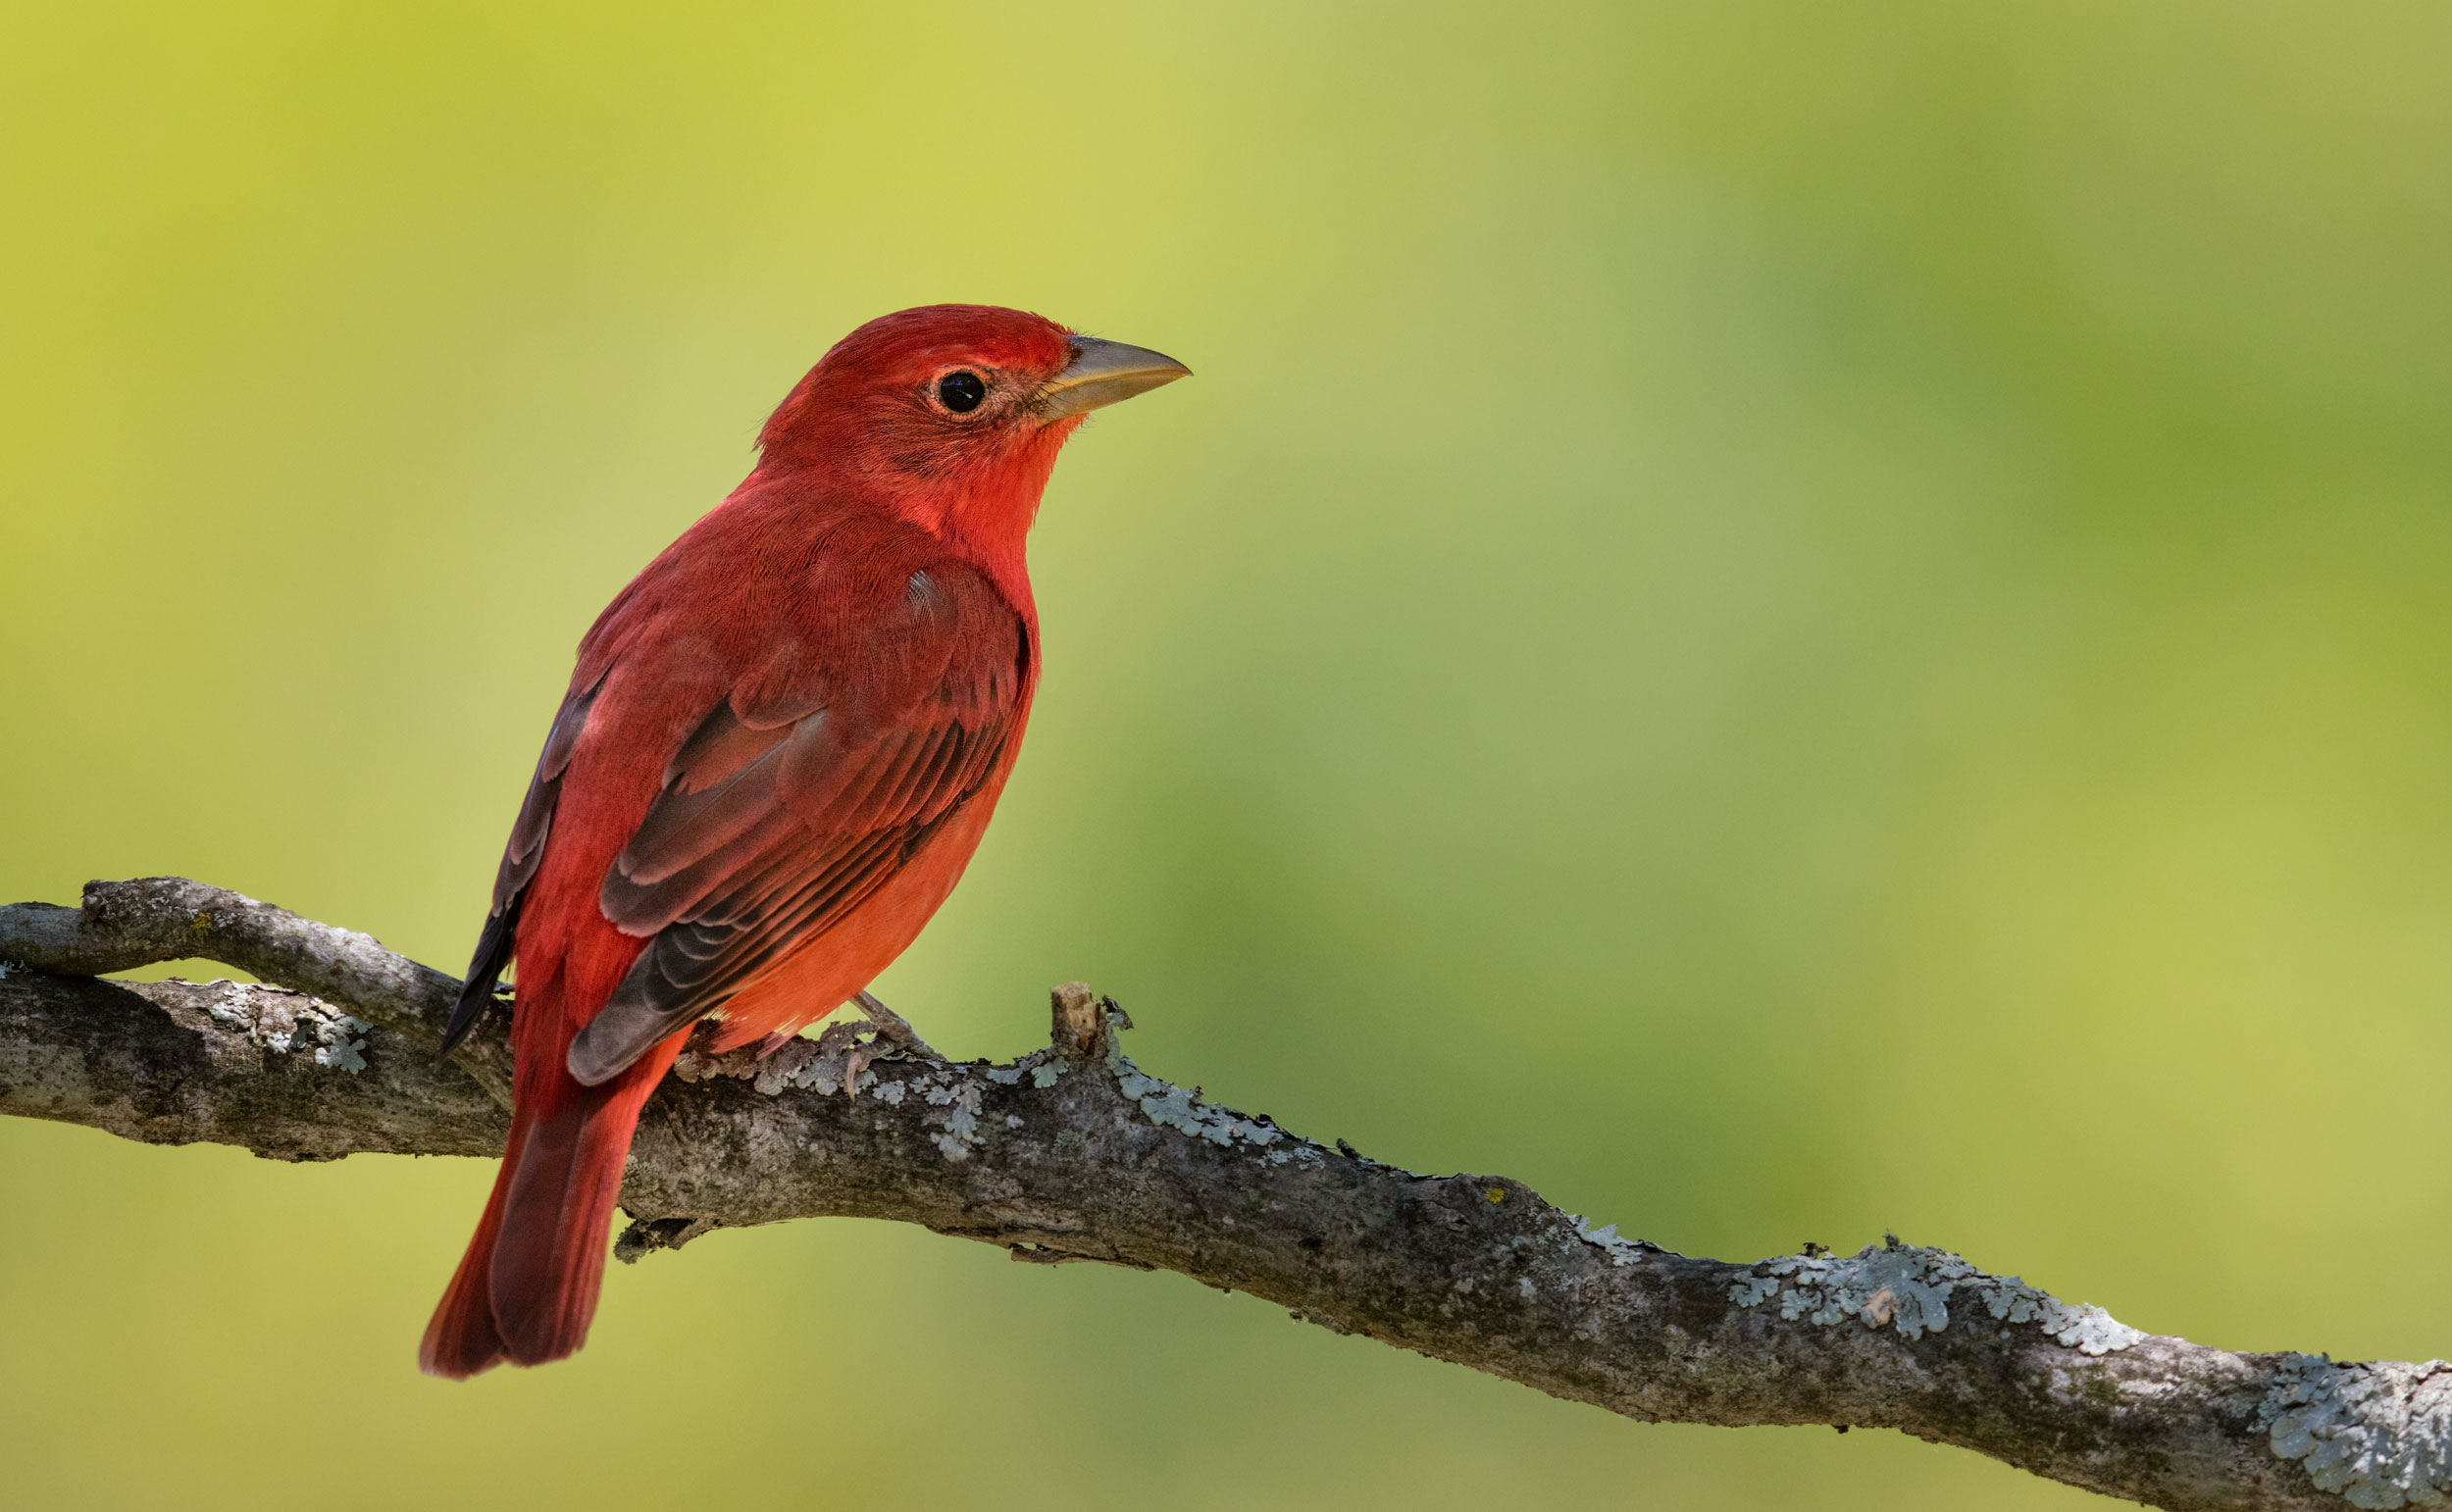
(893, 1029)
(888, 1034)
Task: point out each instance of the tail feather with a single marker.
(548, 1261)
(526, 1290)
(461, 1339)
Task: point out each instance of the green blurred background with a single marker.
(1782, 620)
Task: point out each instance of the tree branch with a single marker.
(1074, 1153)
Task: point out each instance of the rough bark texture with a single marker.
(1073, 1153)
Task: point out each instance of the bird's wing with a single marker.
(520, 860)
(799, 794)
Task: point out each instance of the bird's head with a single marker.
(954, 412)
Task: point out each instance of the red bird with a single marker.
(778, 752)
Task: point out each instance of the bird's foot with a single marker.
(888, 1034)
(894, 1030)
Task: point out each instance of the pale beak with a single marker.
(1102, 373)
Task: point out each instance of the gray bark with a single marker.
(1075, 1154)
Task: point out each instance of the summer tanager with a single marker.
(778, 752)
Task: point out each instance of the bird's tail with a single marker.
(527, 1287)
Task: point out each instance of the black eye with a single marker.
(960, 391)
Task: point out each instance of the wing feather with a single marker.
(520, 860)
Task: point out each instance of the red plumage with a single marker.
(779, 751)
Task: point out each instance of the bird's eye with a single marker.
(961, 391)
